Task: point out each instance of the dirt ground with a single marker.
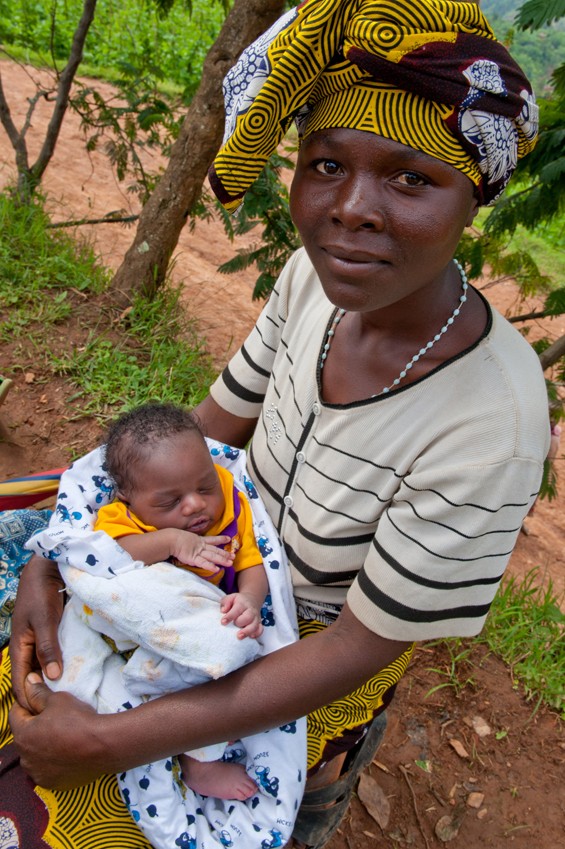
(473, 768)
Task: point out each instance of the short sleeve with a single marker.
(441, 548)
(115, 520)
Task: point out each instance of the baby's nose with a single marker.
(192, 503)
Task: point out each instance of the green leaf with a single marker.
(535, 13)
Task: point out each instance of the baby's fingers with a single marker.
(253, 630)
(219, 540)
(211, 554)
(249, 623)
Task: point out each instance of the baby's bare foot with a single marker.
(217, 779)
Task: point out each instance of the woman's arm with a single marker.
(67, 744)
(218, 424)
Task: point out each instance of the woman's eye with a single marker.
(327, 166)
(411, 178)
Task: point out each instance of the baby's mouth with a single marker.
(199, 525)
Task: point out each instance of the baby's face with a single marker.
(177, 486)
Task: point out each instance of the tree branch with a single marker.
(126, 219)
(552, 354)
(145, 264)
(530, 316)
(15, 137)
(65, 82)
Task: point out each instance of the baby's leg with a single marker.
(217, 779)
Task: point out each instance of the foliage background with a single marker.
(128, 36)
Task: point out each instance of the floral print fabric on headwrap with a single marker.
(428, 74)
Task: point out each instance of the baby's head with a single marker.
(157, 457)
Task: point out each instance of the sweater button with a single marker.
(288, 500)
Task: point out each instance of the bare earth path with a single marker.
(501, 789)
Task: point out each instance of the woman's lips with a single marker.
(351, 257)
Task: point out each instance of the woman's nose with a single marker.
(357, 205)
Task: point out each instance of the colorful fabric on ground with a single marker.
(18, 493)
(16, 527)
(427, 74)
(346, 718)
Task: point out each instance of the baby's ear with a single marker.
(121, 496)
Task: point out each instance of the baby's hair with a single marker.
(130, 435)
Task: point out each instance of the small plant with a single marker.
(526, 629)
(455, 672)
(266, 203)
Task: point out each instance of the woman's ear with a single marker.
(473, 211)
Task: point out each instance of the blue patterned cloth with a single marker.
(16, 527)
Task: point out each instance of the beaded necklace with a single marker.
(341, 312)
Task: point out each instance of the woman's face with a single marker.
(380, 221)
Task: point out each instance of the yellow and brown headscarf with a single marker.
(429, 74)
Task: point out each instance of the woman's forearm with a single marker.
(267, 693)
(67, 744)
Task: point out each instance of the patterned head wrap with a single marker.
(429, 74)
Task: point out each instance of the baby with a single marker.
(173, 503)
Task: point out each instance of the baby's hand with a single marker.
(242, 610)
(202, 552)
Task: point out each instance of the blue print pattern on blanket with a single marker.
(16, 527)
(94, 568)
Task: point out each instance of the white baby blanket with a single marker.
(173, 617)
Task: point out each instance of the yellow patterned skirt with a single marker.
(95, 817)
(339, 726)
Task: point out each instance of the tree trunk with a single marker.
(146, 262)
(552, 354)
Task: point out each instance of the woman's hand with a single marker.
(39, 606)
(51, 737)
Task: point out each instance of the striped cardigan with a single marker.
(409, 504)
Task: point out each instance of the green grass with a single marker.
(456, 673)
(525, 628)
(157, 357)
(38, 267)
(152, 352)
(125, 34)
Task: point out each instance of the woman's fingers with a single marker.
(52, 737)
(36, 693)
(38, 610)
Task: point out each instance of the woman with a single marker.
(395, 417)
